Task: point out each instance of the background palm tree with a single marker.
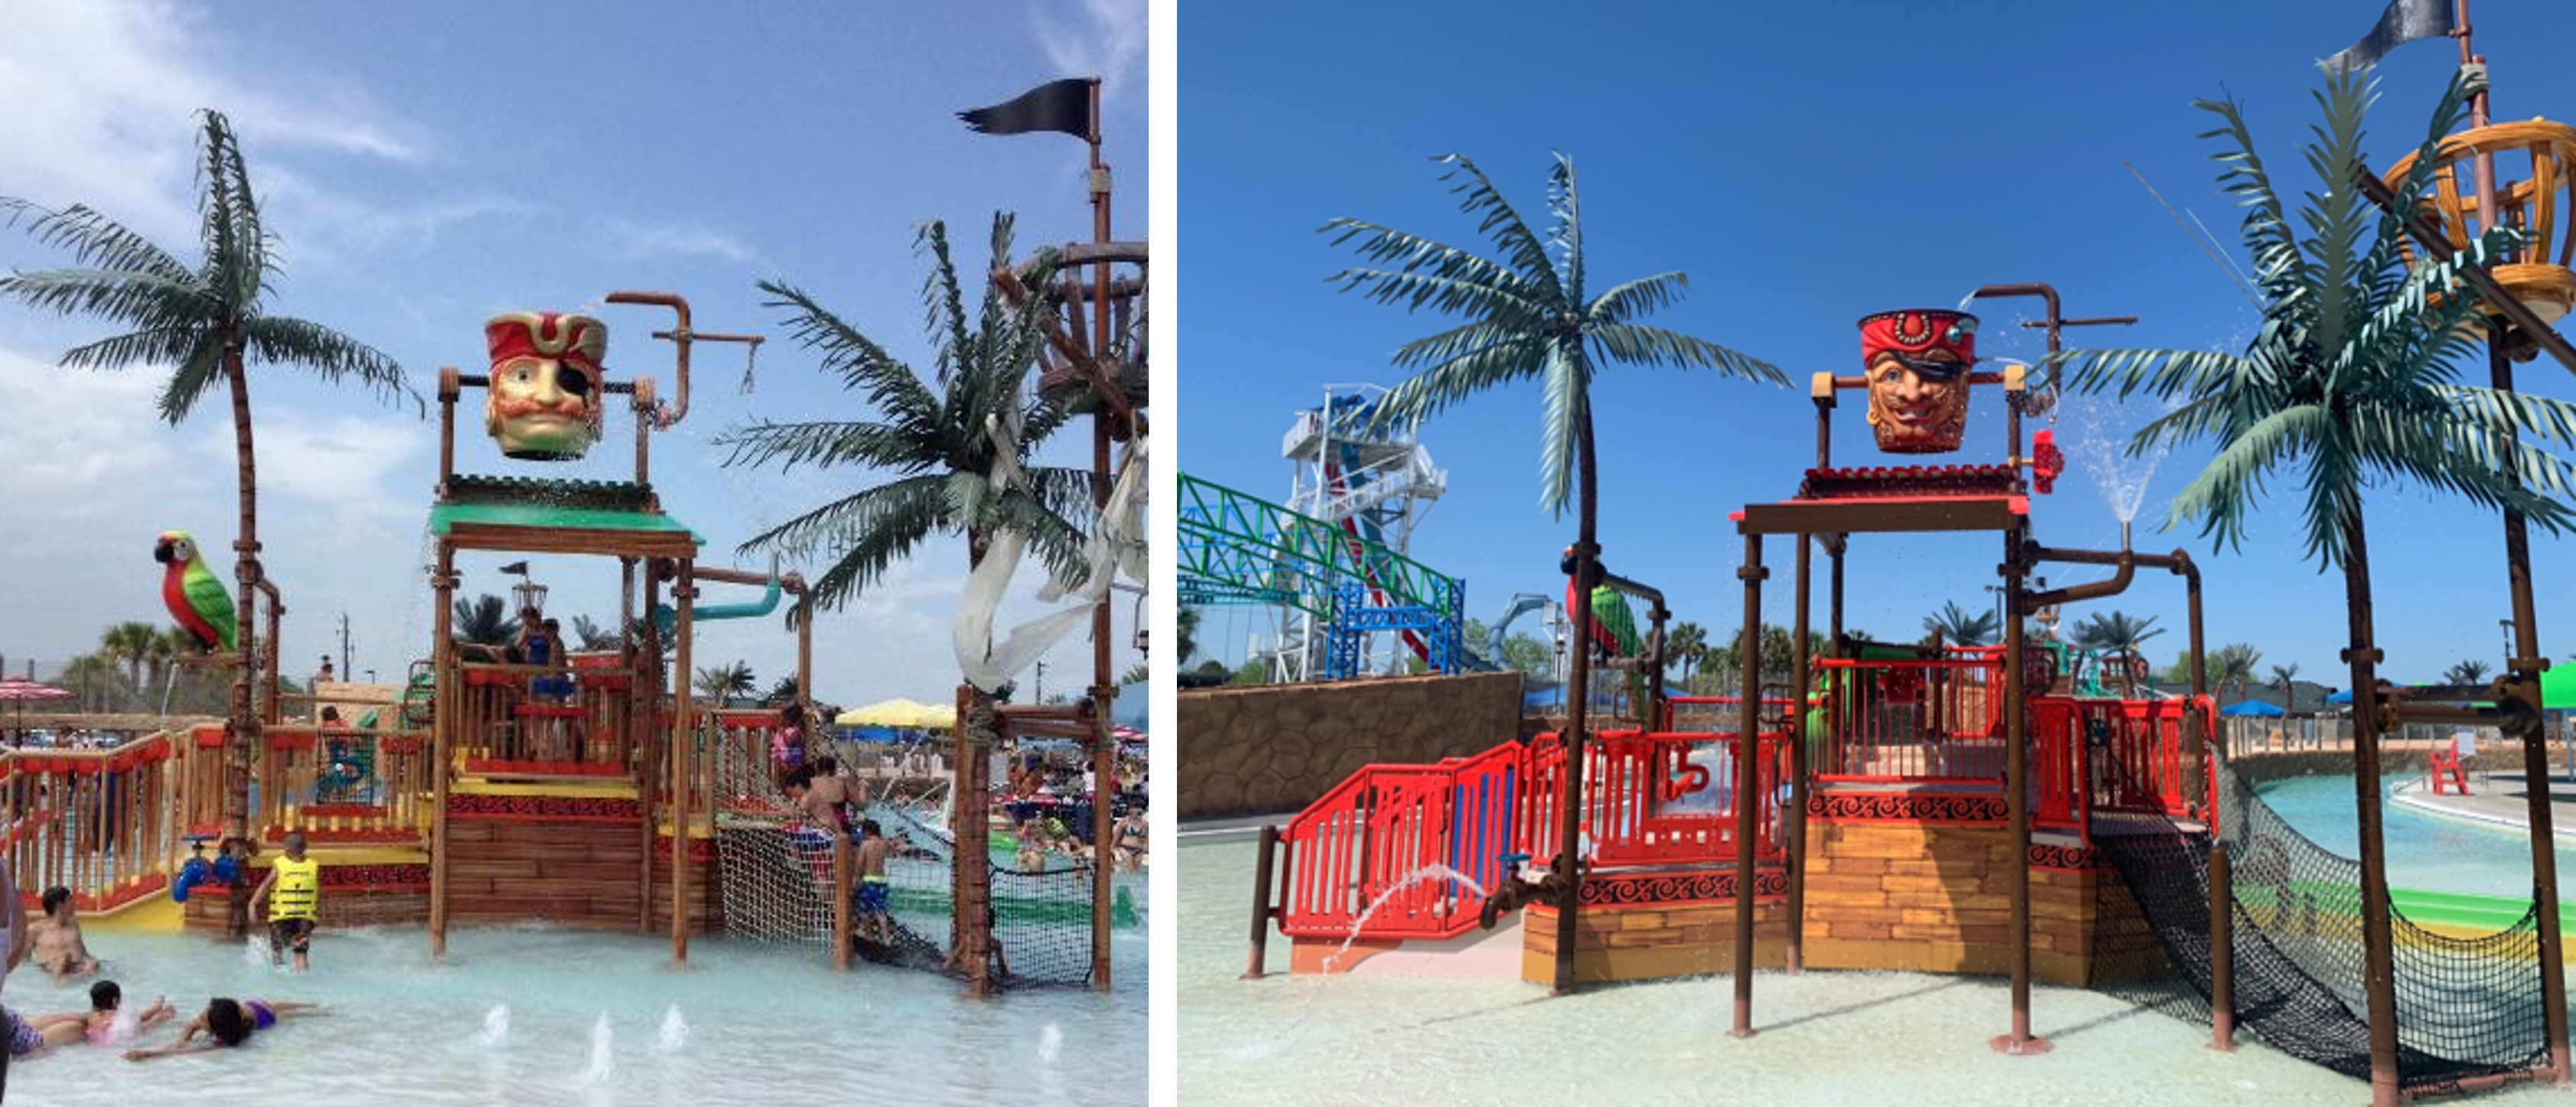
(1531, 314)
(129, 643)
(2232, 665)
(1687, 643)
(210, 323)
(2115, 637)
(589, 636)
(724, 682)
(1185, 635)
(2285, 677)
(484, 621)
(1961, 627)
(2350, 380)
(2466, 672)
(929, 431)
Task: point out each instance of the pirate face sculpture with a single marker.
(1918, 363)
(543, 403)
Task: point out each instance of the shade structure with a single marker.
(19, 692)
(2250, 707)
(900, 712)
(2558, 688)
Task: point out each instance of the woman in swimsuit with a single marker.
(224, 1022)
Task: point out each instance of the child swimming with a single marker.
(224, 1023)
(98, 1024)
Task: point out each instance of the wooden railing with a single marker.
(103, 823)
(545, 720)
(337, 784)
(1908, 720)
(737, 766)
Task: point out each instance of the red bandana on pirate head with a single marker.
(1917, 360)
(543, 403)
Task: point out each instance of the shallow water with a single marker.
(526, 1016)
(2424, 851)
(1825, 1037)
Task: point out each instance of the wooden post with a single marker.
(442, 713)
(2222, 950)
(1748, 742)
(841, 902)
(1794, 820)
(643, 649)
(2017, 801)
(684, 594)
(1261, 901)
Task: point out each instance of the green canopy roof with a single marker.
(444, 517)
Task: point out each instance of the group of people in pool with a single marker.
(54, 941)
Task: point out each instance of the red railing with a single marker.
(1927, 720)
(1381, 855)
(1670, 798)
(2109, 753)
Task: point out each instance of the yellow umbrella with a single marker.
(900, 712)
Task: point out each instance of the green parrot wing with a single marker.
(206, 594)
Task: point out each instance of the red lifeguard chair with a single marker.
(2446, 767)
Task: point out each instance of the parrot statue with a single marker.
(195, 597)
(1614, 623)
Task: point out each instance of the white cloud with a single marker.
(102, 111)
(640, 240)
(1107, 39)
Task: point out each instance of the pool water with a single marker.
(2424, 852)
(515, 1016)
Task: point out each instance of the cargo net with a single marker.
(775, 873)
(2466, 1007)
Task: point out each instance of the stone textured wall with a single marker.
(1274, 749)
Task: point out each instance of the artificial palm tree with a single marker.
(1961, 627)
(2350, 380)
(210, 325)
(2466, 672)
(591, 636)
(2232, 665)
(483, 621)
(1531, 314)
(1687, 642)
(934, 434)
(723, 683)
(2283, 678)
(2113, 634)
(131, 644)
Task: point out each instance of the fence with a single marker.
(1409, 851)
(546, 720)
(98, 822)
(1913, 720)
(342, 784)
(1667, 798)
(2110, 753)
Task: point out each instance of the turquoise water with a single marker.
(2424, 851)
(513, 1016)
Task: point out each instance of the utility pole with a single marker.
(1039, 696)
(344, 647)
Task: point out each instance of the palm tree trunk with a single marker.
(976, 735)
(243, 730)
(2377, 955)
(1578, 703)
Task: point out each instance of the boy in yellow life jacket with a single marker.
(297, 882)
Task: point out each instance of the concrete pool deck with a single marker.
(2495, 799)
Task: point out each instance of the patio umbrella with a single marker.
(900, 712)
(2250, 707)
(20, 691)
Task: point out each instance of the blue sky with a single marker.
(429, 165)
(1805, 164)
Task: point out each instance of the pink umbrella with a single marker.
(21, 691)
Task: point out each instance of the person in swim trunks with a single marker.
(297, 881)
(874, 890)
(223, 1024)
(14, 938)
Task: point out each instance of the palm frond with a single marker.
(1630, 344)
(1506, 358)
(1565, 232)
(863, 533)
(94, 240)
(136, 298)
(164, 346)
(1499, 222)
(333, 356)
(197, 377)
(1568, 413)
(891, 385)
(826, 443)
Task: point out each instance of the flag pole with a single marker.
(2525, 666)
(1104, 764)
